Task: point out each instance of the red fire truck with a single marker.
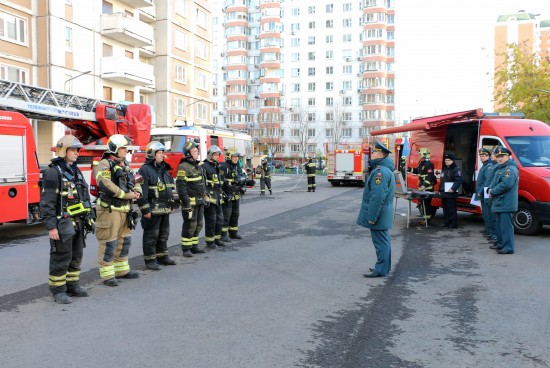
(347, 163)
(464, 133)
(92, 121)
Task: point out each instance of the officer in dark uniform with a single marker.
(311, 170)
(481, 183)
(213, 214)
(504, 192)
(426, 182)
(191, 189)
(156, 205)
(450, 174)
(376, 211)
(66, 211)
(265, 177)
(233, 181)
(492, 237)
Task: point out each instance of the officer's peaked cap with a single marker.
(484, 151)
(501, 150)
(379, 147)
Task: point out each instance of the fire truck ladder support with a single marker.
(46, 104)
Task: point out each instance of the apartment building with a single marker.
(299, 74)
(521, 28)
(118, 50)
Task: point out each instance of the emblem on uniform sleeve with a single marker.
(378, 178)
(507, 173)
(105, 174)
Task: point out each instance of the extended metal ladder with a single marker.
(46, 104)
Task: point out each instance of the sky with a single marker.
(444, 53)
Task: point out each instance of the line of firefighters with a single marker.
(209, 194)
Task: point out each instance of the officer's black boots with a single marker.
(195, 249)
(111, 282)
(165, 260)
(77, 290)
(62, 298)
(153, 265)
(130, 275)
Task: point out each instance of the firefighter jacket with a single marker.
(64, 194)
(230, 172)
(426, 175)
(265, 171)
(213, 182)
(482, 181)
(158, 188)
(311, 169)
(190, 183)
(450, 174)
(377, 204)
(115, 182)
(504, 187)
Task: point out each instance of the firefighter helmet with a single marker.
(264, 160)
(424, 152)
(116, 142)
(232, 152)
(211, 150)
(187, 148)
(240, 180)
(152, 148)
(67, 141)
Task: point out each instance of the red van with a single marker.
(464, 133)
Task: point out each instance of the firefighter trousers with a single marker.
(191, 227)
(265, 182)
(114, 238)
(156, 230)
(231, 216)
(65, 261)
(213, 223)
(311, 184)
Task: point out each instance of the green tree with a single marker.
(522, 83)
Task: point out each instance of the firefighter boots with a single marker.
(196, 250)
(77, 291)
(62, 298)
(111, 282)
(211, 246)
(234, 235)
(153, 265)
(270, 192)
(219, 243)
(130, 275)
(165, 260)
(187, 253)
(225, 238)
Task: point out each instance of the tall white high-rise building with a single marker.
(300, 74)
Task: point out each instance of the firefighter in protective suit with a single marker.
(213, 214)
(311, 170)
(156, 205)
(233, 181)
(66, 211)
(115, 217)
(426, 182)
(265, 176)
(191, 189)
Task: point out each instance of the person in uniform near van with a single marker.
(504, 193)
(426, 182)
(311, 170)
(265, 176)
(481, 183)
(233, 181)
(117, 189)
(191, 188)
(213, 214)
(451, 177)
(65, 207)
(376, 211)
(156, 205)
(492, 237)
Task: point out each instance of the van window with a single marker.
(462, 142)
(490, 143)
(531, 150)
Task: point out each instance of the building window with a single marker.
(346, 101)
(311, 116)
(201, 19)
(311, 40)
(14, 74)
(329, 86)
(295, 12)
(346, 23)
(346, 7)
(329, 39)
(295, 42)
(294, 148)
(202, 50)
(330, 8)
(180, 40)
(69, 2)
(179, 107)
(106, 7)
(201, 80)
(295, 56)
(346, 132)
(201, 111)
(311, 147)
(311, 10)
(107, 50)
(329, 116)
(346, 37)
(295, 102)
(295, 132)
(347, 69)
(295, 27)
(311, 25)
(311, 56)
(180, 7)
(311, 72)
(128, 54)
(68, 39)
(346, 116)
(329, 54)
(329, 23)
(328, 132)
(107, 93)
(129, 96)
(295, 72)
(311, 101)
(180, 74)
(329, 70)
(346, 85)
(295, 87)
(329, 101)
(311, 132)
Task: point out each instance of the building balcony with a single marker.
(147, 15)
(138, 3)
(126, 29)
(127, 71)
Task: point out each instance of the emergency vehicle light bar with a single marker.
(513, 115)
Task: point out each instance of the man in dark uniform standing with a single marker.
(156, 205)
(376, 211)
(504, 192)
(451, 177)
(311, 170)
(426, 182)
(213, 214)
(265, 177)
(481, 183)
(191, 189)
(233, 181)
(66, 210)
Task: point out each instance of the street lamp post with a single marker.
(70, 79)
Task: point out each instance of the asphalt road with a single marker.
(290, 294)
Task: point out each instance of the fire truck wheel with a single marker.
(525, 220)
